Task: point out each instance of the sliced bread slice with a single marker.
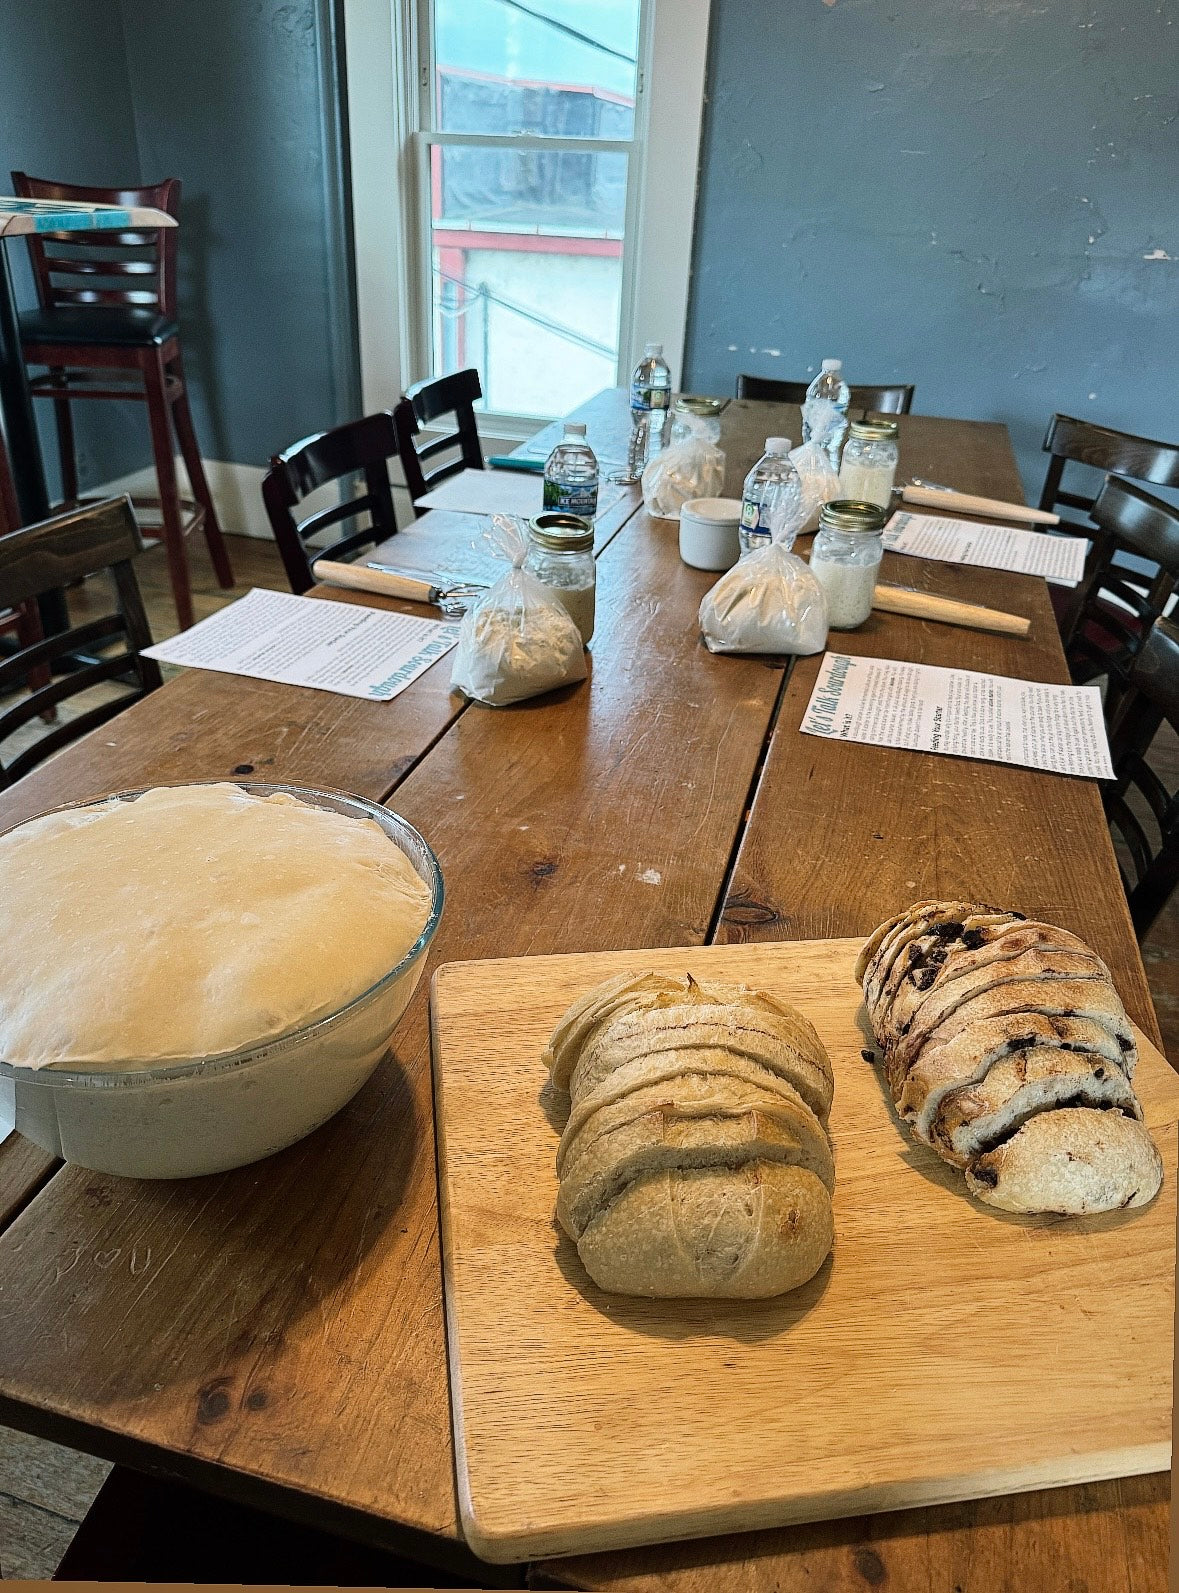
(1075, 1160)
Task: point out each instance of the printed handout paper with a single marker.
(307, 641)
(960, 712)
(1059, 559)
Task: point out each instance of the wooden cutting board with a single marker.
(945, 1351)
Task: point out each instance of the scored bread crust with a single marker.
(929, 967)
(975, 1117)
(968, 1056)
(663, 1139)
(618, 993)
(735, 1233)
(755, 1036)
(671, 1065)
(688, 1095)
(1075, 1160)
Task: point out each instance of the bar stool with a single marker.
(107, 302)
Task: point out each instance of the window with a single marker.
(499, 162)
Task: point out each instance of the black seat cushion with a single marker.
(100, 326)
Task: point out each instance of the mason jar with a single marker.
(561, 556)
(845, 559)
(696, 417)
(868, 468)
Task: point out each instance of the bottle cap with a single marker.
(653, 348)
(575, 428)
(778, 445)
(832, 365)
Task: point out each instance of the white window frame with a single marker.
(386, 76)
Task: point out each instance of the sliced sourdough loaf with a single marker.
(663, 1140)
(975, 1117)
(688, 1095)
(971, 1052)
(736, 1233)
(622, 992)
(1075, 1160)
(756, 1036)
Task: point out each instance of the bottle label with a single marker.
(582, 499)
(752, 516)
(649, 397)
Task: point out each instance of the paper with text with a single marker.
(306, 641)
(1058, 559)
(960, 712)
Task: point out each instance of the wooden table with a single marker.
(277, 1333)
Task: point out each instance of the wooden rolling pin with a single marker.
(924, 605)
(967, 503)
(363, 578)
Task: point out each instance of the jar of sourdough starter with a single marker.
(869, 464)
(845, 559)
(561, 556)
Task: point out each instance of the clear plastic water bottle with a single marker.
(650, 408)
(571, 474)
(829, 383)
(772, 497)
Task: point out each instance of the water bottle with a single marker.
(650, 407)
(571, 474)
(829, 383)
(772, 497)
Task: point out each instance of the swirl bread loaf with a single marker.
(695, 1160)
(1007, 1050)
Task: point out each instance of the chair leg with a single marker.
(173, 518)
(65, 442)
(196, 475)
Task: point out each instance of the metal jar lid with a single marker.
(561, 532)
(693, 405)
(846, 514)
(875, 430)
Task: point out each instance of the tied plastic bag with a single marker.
(694, 467)
(820, 483)
(769, 602)
(519, 639)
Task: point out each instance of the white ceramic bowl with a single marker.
(204, 1115)
(710, 533)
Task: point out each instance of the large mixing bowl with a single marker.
(206, 1114)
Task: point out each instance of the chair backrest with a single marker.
(1113, 609)
(1142, 812)
(894, 399)
(424, 404)
(1120, 453)
(133, 269)
(358, 448)
(9, 505)
(40, 558)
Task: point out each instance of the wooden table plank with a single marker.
(285, 1322)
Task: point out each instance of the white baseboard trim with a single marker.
(236, 489)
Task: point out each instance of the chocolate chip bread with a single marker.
(1007, 1050)
(695, 1159)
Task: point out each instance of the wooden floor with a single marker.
(45, 1490)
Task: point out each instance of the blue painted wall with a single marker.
(975, 195)
(65, 112)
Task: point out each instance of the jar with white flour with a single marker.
(561, 556)
(846, 558)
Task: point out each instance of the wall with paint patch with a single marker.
(976, 197)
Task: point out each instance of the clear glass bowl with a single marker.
(205, 1114)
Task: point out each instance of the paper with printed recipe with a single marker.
(1059, 559)
(960, 712)
(308, 641)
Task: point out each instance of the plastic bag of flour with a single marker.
(518, 640)
(691, 468)
(769, 602)
(820, 483)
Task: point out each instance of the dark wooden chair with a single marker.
(23, 619)
(425, 404)
(1142, 812)
(1118, 453)
(107, 302)
(358, 448)
(1111, 612)
(39, 558)
(894, 399)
